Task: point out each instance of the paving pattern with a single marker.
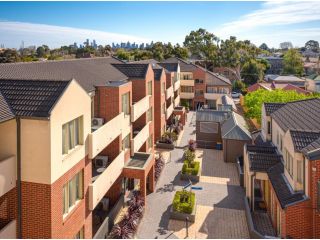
(220, 210)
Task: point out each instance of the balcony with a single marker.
(140, 108)
(169, 92)
(7, 174)
(177, 101)
(187, 95)
(139, 138)
(103, 180)
(169, 111)
(9, 230)
(103, 136)
(187, 83)
(176, 85)
(213, 96)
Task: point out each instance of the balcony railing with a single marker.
(9, 231)
(103, 136)
(213, 96)
(104, 181)
(176, 85)
(177, 101)
(140, 108)
(169, 92)
(140, 138)
(187, 95)
(187, 82)
(7, 174)
(169, 111)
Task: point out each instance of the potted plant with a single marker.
(183, 206)
(167, 140)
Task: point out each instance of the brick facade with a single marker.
(159, 100)
(8, 207)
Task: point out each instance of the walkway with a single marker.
(220, 211)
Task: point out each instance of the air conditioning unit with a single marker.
(105, 204)
(101, 161)
(97, 122)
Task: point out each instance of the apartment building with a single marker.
(200, 87)
(282, 173)
(79, 134)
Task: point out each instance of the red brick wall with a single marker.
(159, 100)
(199, 74)
(314, 173)
(8, 207)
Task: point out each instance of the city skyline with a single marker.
(142, 22)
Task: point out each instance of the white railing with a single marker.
(176, 85)
(187, 83)
(103, 136)
(169, 92)
(177, 101)
(213, 96)
(140, 138)
(140, 108)
(187, 95)
(7, 174)
(9, 231)
(169, 111)
(102, 184)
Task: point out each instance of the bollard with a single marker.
(187, 227)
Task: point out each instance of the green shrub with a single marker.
(189, 156)
(184, 201)
(190, 168)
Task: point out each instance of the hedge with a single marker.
(190, 168)
(184, 202)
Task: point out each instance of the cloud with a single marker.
(275, 14)
(12, 33)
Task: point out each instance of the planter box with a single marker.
(193, 178)
(182, 216)
(165, 145)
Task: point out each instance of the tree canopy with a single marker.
(312, 45)
(292, 63)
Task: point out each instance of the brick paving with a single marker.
(220, 210)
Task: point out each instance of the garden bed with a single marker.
(159, 165)
(164, 145)
(183, 206)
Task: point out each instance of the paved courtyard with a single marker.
(220, 210)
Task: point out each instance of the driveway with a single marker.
(220, 210)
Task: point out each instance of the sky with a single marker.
(63, 23)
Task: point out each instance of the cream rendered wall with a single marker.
(35, 151)
(264, 125)
(75, 102)
(8, 139)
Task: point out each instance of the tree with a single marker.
(312, 45)
(9, 56)
(180, 52)
(202, 44)
(158, 51)
(122, 54)
(264, 46)
(292, 63)
(41, 52)
(286, 45)
(253, 71)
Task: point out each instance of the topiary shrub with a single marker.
(184, 202)
(189, 156)
(190, 168)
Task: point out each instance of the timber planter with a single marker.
(163, 145)
(183, 206)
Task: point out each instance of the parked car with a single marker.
(235, 94)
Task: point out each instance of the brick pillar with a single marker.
(143, 188)
(151, 179)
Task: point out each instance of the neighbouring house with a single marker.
(222, 128)
(200, 87)
(290, 79)
(282, 173)
(226, 72)
(313, 84)
(226, 103)
(273, 85)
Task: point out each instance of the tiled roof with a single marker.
(216, 79)
(184, 65)
(157, 73)
(282, 188)
(5, 110)
(31, 98)
(261, 162)
(312, 151)
(88, 72)
(290, 87)
(235, 128)
(133, 70)
(302, 139)
(272, 107)
(302, 115)
(170, 67)
(212, 116)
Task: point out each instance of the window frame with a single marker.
(72, 135)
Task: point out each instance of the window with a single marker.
(198, 81)
(269, 127)
(212, 90)
(149, 115)
(150, 88)
(187, 89)
(199, 92)
(163, 88)
(72, 134)
(281, 143)
(126, 142)
(288, 162)
(125, 103)
(80, 234)
(72, 192)
(300, 172)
